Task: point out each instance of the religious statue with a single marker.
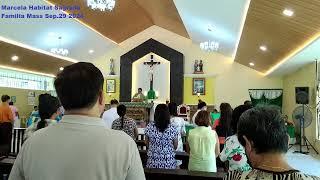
(201, 66)
(195, 66)
(111, 66)
(198, 67)
(151, 93)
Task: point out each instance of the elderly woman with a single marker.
(263, 134)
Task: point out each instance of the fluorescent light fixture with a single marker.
(91, 51)
(251, 64)
(10, 41)
(263, 48)
(61, 68)
(287, 12)
(26, 71)
(15, 58)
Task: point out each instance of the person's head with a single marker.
(202, 105)
(121, 110)
(237, 112)
(35, 108)
(10, 103)
(173, 109)
(248, 103)
(139, 90)
(225, 116)
(114, 103)
(5, 98)
(215, 110)
(48, 109)
(162, 117)
(203, 118)
(261, 130)
(80, 89)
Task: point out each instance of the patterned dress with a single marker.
(234, 152)
(161, 151)
(129, 125)
(264, 174)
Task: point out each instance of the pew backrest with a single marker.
(177, 174)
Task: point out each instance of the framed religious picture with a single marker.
(111, 86)
(199, 86)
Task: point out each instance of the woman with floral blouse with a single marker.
(233, 151)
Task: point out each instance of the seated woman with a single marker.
(262, 132)
(222, 125)
(48, 111)
(179, 123)
(203, 145)
(233, 151)
(162, 140)
(125, 123)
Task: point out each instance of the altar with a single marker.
(139, 111)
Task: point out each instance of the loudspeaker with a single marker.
(302, 95)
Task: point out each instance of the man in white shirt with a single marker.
(79, 147)
(110, 115)
(202, 106)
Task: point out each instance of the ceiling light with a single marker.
(105, 5)
(10, 41)
(15, 58)
(251, 64)
(288, 12)
(61, 68)
(91, 51)
(60, 50)
(209, 46)
(263, 48)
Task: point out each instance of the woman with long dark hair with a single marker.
(48, 111)
(162, 140)
(125, 123)
(222, 125)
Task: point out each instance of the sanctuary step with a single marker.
(181, 174)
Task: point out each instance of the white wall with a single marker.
(161, 77)
(232, 80)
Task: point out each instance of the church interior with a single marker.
(153, 52)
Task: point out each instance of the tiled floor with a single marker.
(309, 164)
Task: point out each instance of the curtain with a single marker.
(266, 97)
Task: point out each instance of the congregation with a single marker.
(72, 137)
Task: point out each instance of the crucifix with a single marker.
(151, 64)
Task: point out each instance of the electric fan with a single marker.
(302, 118)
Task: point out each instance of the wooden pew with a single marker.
(183, 156)
(6, 164)
(181, 174)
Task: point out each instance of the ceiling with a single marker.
(309, 55)
(239, 28)
(226, 19)
(266, 25)
(30, 60)
(130, 17)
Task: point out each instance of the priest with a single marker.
(138, 97)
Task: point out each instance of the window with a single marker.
(16, 79)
